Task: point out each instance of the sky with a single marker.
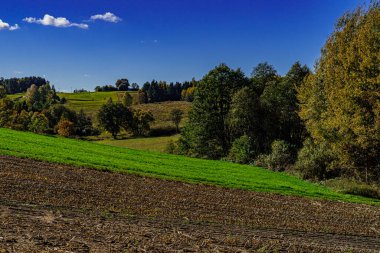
(84, 43)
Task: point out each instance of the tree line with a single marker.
(41, 111)
(155, 91)
(20, 85)
(323, 124)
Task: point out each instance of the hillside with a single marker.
(82, 153)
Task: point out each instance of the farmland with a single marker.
(51, 207)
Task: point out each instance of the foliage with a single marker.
(105, 88)
(81, 153)
(141, 122)
(20, 85)
(38, 123)
(188, 94)
(349, 186)
(171, 147)
(110, 117)
(122, 84)
(127, 99)
(207, 133)
(176, 116)
(39, 98)
(241, 150)
(340, 103)
(65, 128)
(280, 158)
(314, 161)
(3, 92)
(158, 91)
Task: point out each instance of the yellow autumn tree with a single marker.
(340, 103)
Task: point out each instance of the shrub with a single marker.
(171, 147)
(352, 187)
(314, 161)
(65, 128)
(241, 151)
(279, 159)
(63, 100)
(39, 123)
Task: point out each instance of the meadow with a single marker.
(158, 144)
(90, 102)
(154, 164)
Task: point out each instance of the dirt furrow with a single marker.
(53, 207)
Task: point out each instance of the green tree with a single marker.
(241, 150)
(122, 84)
(141, 122)
(176, 116)
(207, 134)
(127, 99)
(6, 112)
(109, 117)
(3, 92)
(38, 123)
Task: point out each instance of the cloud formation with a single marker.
(49, 20)
(6, 26)
(108, 17)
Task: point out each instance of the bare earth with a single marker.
(55, 208)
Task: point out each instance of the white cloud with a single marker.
(49, 20)
(6, 26)
(108, 17)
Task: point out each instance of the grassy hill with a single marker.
(90, 102)
(103, 157)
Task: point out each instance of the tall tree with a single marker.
(341, 102)
(122, 84)
(207, 133)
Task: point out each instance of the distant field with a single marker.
(158, 144)
(103, 157)
(90, 102)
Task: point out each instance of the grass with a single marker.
(90, 102)
(157, 144)
(124, 160)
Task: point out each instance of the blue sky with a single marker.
(171, 40)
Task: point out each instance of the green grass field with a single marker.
(90, 102)
(103, 157)
(157, 144)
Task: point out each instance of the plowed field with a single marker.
(56, 208)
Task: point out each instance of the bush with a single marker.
(241, 151)
(280, 159)
(352, 187)
(314, 161)
(65, 128)
(39, 123)
(63, 100)
(171, 148)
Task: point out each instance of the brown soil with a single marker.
(55, 208)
